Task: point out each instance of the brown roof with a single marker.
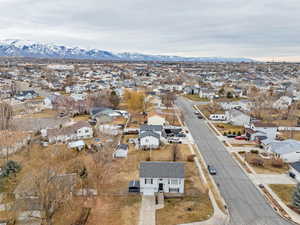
(262, 124)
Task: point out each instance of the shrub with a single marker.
(257, 162)
(242, 152)
(11, 167)
(233, 133)
(229, 132)
(278, 163)
(190, 158)
(254, 151)
(239, 133)
(225, 134)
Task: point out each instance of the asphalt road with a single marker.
(245, 203)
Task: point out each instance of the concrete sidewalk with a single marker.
(147, 210)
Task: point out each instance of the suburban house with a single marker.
(25, 95)
(156, 119)
(77, 131)
(167, 177)
(78, 145)
(288, 150)
(237, 117)
(150, 136)
(261, 132)
(121, 151)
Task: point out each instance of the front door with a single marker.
(161, 187)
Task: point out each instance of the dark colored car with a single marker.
(231, 136)
(211, 170)
(181, 135)
(200, 117)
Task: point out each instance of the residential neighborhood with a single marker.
(134, 142)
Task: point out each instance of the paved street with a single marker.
(245, 203)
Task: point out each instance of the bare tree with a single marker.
(6, 114)
(175, 152)
(54, 192)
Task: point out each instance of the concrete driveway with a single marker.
(272, 179)
(147, 210)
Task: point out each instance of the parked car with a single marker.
(181, 135)
(231, 135)
(200, 117)
(211, 170)
(196, 113)
(175, 140)
(240, 138)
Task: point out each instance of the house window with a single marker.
(174, 181)
(148, 181)
(86, 131)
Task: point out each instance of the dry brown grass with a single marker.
(48, 113)
(116, 210)
(267, 168)
(284, 191)
(290, 135)
(210, 108)
(185, 210)
(196, 98)
(81, 118)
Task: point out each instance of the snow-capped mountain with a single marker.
(24, 48)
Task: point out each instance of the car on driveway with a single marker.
(200, 117)
(211, 170)
(240, 138)
(175, 140)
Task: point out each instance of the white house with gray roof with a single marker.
(150, 136)
(167, 177)
(288, 150)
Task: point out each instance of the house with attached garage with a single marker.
(288, 150)
(261, 132)
(150, 136)
(237, 117)
(77, 131)
(166, 177)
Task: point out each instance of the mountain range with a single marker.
(24, 48)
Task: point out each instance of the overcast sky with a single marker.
(263, 29)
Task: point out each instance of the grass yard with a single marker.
(284, 192)
(230, 99)
(115, 210)
(196, 98)
(185, 210)
(290, 135)
(48, 113)
(81, 118)
(209, 109)
(267, 168)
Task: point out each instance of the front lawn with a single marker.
(196, 98)
(284, 192)
(185, 210)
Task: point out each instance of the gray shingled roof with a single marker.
(162, 170)
(149, 133)
(146, 127)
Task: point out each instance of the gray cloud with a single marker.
(257, 28)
